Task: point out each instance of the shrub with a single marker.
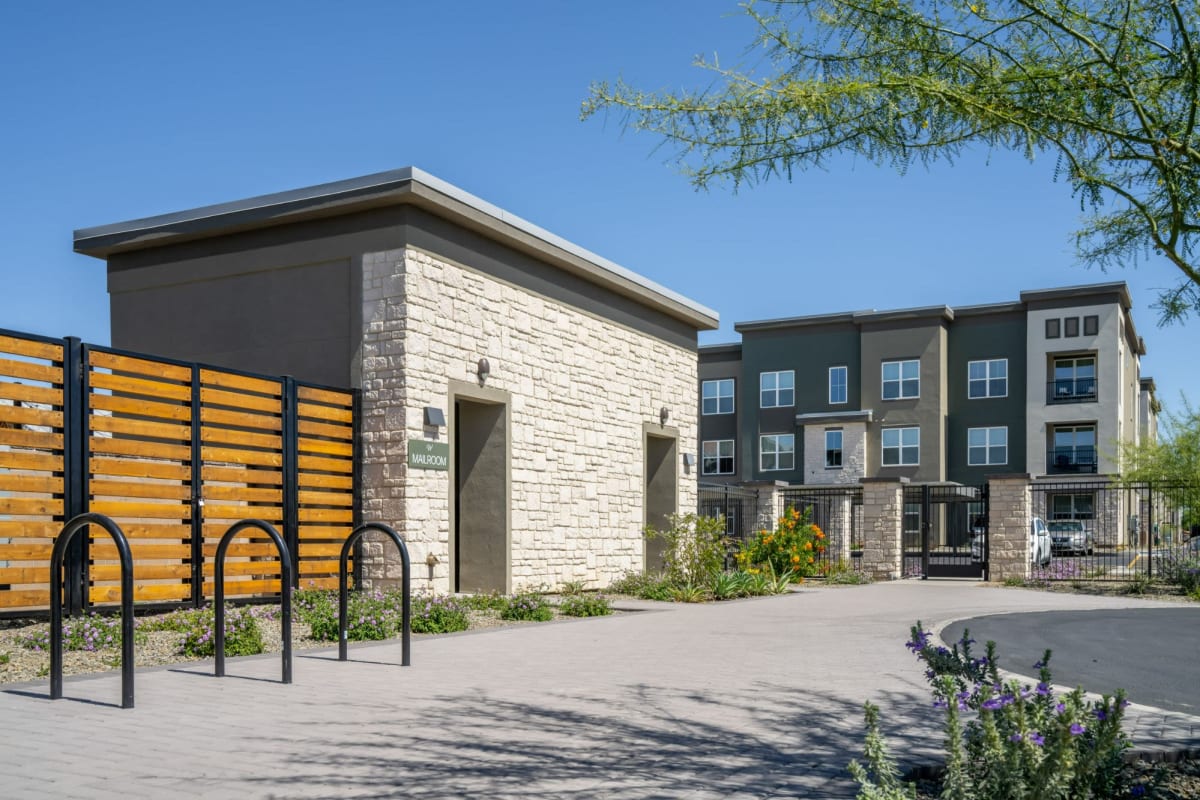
(843, 573)
(688, 593)
(443, 614)
(585, 605)
(644, 585)
(5, 658)
(728, 586)
(572, 587)
(89, 632)
(370, 617)
(1180, 571)
(694, 550)
(795, 546)
(242, 634)
(526, 606)
(489, 601)
(315, 604)
(1017, 741)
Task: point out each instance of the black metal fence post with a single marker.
(291, 472)
(74, 466)
(1150, 531)
(926, 524)
(197, 494)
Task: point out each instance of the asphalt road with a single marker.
(1151, 653)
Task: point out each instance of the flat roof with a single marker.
(408, 185)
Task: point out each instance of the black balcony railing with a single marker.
(1065, 460)
(1071, 390)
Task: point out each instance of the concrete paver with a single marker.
(752, 699)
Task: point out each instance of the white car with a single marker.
(1039, 543)
(1071, 537)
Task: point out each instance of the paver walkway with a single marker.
(754, 699)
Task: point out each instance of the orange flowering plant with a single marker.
(796, 545)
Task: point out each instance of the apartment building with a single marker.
(1047, 385)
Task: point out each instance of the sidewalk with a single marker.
(752, 699)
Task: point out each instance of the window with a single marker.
(777, 452)
(1074, 380)
(1091, 325)
(1052, 331)
(777, 389)
(716, 457)
(1072, 506)
(901, 379)
(1071, 326)
(987, 378)
(716, 397)
(1074, 449)
(987, 446)
(833, 449)
(901, 447)
(837, 384)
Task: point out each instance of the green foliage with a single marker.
(1171, 463)
(648, 586)
(572, 587)
(442, 614)
(1014, 580)
(688, 593)
(585, 605)
(793, 548)
(1180, 570)
(88, 632)
(843, 573)
(526, 607)
(880, 779)
(5, 658)
(242, 634)
(1109, 89)
(487, 601)
(315, 607)
(1018, 742)
(695, 548)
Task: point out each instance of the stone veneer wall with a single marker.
(581, 389)
(883, 520)
(1010, 509)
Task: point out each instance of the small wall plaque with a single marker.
(428, 455)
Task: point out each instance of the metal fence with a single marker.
(737, 505)
(1103, 530)
(945, 531)
(837, 511)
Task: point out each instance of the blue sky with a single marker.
(121, 110)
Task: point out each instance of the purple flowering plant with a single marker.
(1005, 740)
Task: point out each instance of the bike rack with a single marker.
(61, 543)
(405, 587)
(285, 581)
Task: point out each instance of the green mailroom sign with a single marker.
(428, 455)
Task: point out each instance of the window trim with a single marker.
(987, 446)
(1053, 328)
(900, 380)
(845, 385)
(732, 397)
(840, 449)
(899, 447)
(1071, 324)
(1091, 325)
(776, 436)
(777, 390)
(718, 457)
(987, 381)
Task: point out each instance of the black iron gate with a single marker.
(945, 531)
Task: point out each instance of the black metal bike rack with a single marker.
(285, 587)
(405, 588)
(61, 543)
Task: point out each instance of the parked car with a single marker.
(1071, 536)
(1039, 543)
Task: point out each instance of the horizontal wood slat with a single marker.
(128, 447)
(327, 413)
(156, 389)
(326, 515)
(30, 371)
(266, 441)
(229, 380)
(25, 598)
(229, 455)
(141, 572)
(243, 587)
(318, 464)
(23, 415)
(339, 432)
(121, 510)
(22, 575)
(240, 401)
(34, 462)
(324, 532)
(315, 567)
(31, 506)
(264, 568)
(101, 550)
(46, 484)
(234, 493)
(326, 498)
(326, 447)
(160, 491)
(28, 552)
(31, 348)
(138, 468)
(98, 359)
(141, 408)
(239, 419)
(316, 480)
(240, 475)
(143, 592)
(10, 529)
(327, 396)
(25, 393)
(132, 427)
(34, 440)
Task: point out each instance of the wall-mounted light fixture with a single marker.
(689, 460)
(435, 417)
(483, 369)
(664, 414)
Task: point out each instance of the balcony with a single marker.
(1070, 460)
(1071, 390)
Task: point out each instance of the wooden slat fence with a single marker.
(175, 453)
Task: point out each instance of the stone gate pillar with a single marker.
(841, 523)
(883, 525)
(1010, 510)
(768, 509)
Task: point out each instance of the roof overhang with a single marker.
(407, 186)
(835, 417)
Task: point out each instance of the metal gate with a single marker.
(946, 531)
